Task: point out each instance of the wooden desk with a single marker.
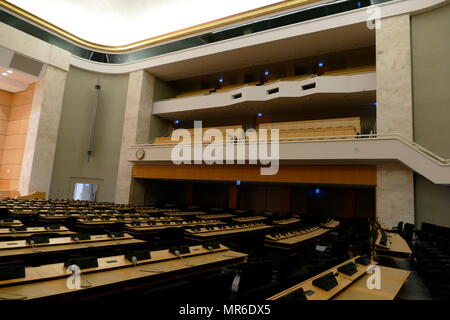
(249, 219)
(18, 248)
(184, 214)
(216, 216)
(50, 280)
(392, 281)
(293, 240)
(14, 223)
(397, 246)
(285, 222)
(343, 281)
(224, 231)
(6, 232)
(173, 224)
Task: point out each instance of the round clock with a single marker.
(140, 154)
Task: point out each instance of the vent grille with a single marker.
(26, 65)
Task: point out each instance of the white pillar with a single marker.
(42, 133)
(136, 127)
(395, 182)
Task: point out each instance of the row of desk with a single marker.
(162, 266)
(351, 287)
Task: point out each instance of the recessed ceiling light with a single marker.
(4, 73)
(9, 71)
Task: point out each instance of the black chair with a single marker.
(178, 291)
(256, 281)
(215, 287)
(408, 231)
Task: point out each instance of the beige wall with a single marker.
(431, 78)
(71, 151)
(14, 117)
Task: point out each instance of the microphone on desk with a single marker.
(134, 260)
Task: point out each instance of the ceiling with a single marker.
(119, 22)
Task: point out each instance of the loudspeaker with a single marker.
(211, 245)
(298, 294)
(140, 255)
(348, 269)
(82, 262)
(326, 282)
(364, 260)
(12, 271)
(182, 249)
(37, 239)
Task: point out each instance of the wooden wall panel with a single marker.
(10, 171)
(14, 116)
(5, 98)
(20, 112)
(342, 175)
(4, 112)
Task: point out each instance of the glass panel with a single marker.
(85, 192)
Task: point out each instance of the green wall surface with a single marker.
(431, 94)
(71, 162)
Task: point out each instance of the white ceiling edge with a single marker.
(387, 9)
(119, 22)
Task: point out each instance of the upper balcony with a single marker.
(355, 85)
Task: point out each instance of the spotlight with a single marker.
(220, 80)
(321, 64)
(317, 191)
(260, 114)
(374, 104)
(238, 182)
(4, 73)
(359, 4)
(176, 121)
(9, 71)
(266, 73)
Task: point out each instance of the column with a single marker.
(136, 128)
(395, 182)
(42, 133)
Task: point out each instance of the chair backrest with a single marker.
(255, 274)
(400, 226)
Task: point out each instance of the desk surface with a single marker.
(392, 281)
(283, 222)
(343, 282)
(152, 269)
(216, 216)
(294, 240)
(8, 231)
(396, 245)
(173, 224)
(46, 248)
(249, 219)
(224, 232)
(14, 223)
